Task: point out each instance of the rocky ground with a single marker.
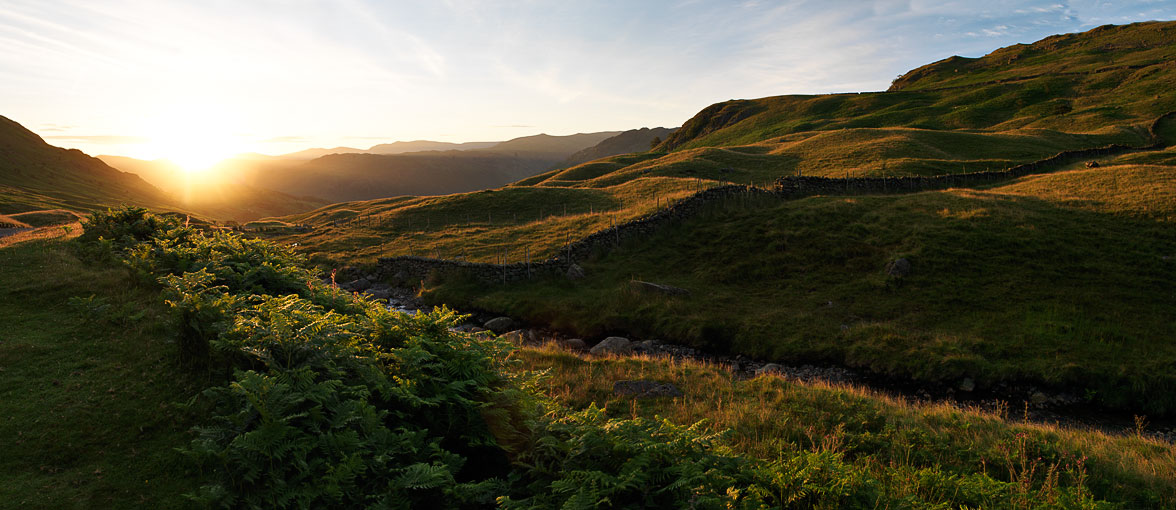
(1027, 402)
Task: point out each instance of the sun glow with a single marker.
(194, 138)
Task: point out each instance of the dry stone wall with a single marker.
(412, 269)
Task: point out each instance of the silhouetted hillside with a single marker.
(364, 176)
(633, 140)
(427, 145)
(214, 194)
(553, 146)
(35, 175)
(342, 177)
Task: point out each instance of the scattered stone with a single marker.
(1038, 398)
(500, 325)
(1092, 164)
(845, 328)
(575, 272)
(574, 344)
(967, 384)
(645, 346)
(521, 337)
(612, 345)
(770, 368)
(657, 288)
(357, 285)
(899, 268)
(645, 389)
(478, 329)
(380, 291)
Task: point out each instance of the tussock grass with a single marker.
(769, 416)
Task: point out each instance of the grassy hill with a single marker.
(95, 368)
(633, 140)
(35, 175)
(370, 175)
(214, 194)
(1060, 278)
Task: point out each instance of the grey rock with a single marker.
(574, 344)
(356, 285)
(612, 345)
(645, 346)
(1038, 398)
(500, 325)
(575, 272)
(380, 291)
(478, 329)
(514, 337)
(521, 337)
(770, 368)
(657, 288)
(646, 389)
(899, 268)
(967, 384)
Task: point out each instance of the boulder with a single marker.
(612, 345)
(574, 344)
(645, 389)
(500, 325)
(899, 268)
(967, 384)
(1092, 164)
(522, 337)
(657, 288)
(575, 272)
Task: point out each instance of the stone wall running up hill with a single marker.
(412, 269)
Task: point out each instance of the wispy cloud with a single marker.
(456, 70)
(100, 139)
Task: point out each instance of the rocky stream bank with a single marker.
(1026, 402)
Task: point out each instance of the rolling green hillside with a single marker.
(1059, 278)
(325, 381)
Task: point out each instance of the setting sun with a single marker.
(195, 138)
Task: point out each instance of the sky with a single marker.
(198, 80)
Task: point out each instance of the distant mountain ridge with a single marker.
(633, 140)
(214, 194)
(366, 175)
(389, 148)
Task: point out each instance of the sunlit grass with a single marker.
(1012, 282)
(768, 416)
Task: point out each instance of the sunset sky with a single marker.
(203, 79)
